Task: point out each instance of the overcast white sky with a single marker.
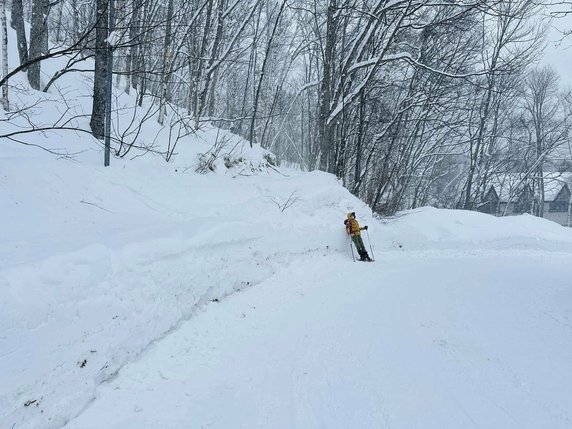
(559, 48)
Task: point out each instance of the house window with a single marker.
(559, 206)
(488, 208)
(523, 206)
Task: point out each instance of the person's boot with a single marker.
(362, 255)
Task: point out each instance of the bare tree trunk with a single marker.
(59, 20)
(206, 81)
(198, 72)
(212, 93)
(75, 20)
(539, 192)
(252, 134)
(142, 89)
(38, 40)
(166, 62)
(139, 76)
(17, 23)
(97, 122)
(569, 216)
(4, 31)
(325, 128)
(359, 143)
(133, 46)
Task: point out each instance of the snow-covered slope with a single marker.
(98, 263)
(104, 271)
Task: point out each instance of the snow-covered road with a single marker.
(107, 278)
(446, 341)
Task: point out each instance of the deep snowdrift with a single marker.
(98, 264)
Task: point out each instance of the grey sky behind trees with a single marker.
(558, 52)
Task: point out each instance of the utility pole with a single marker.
(110, 41)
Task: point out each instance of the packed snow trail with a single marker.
(408, 342)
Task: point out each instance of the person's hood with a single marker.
(350, 214)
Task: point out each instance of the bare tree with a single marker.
(549, 127)
(97, 122)
(4, 34)
(167, 58)
(262, 72)
(511, 45)
(17, 23)
(38, 40)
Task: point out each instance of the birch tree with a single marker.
(4, 35)
(167, 58)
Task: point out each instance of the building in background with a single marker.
(513, 194)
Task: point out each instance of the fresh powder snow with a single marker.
(146, 295)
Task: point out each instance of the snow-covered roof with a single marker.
(560, 157)
(553, 183)
(509, 186)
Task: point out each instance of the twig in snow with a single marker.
(93, 204)
(283, 205)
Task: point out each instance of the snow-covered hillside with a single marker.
(98, 263)
(113, 285)
(149, 295)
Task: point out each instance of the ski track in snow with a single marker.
(366, 346)
(149, 259)
(88, 291)
(215, 285)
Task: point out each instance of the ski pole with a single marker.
(369, 241)
(351, 248)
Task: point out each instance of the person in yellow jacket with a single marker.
(354, 231)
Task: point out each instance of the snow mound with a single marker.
(96, 264)
(431, 228)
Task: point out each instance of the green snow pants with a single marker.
(359, 244)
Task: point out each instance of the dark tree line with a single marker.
(407, 102)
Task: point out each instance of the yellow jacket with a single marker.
(352, 226)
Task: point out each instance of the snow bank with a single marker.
(98, 263)
(428, 228)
